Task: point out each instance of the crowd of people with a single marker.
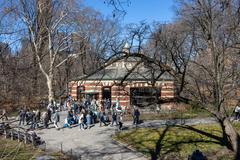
(28, 117)
(88, 112)
(85, 114)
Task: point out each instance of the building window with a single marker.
(106, 93)
(80, 90)
(144, 96)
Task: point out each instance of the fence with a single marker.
(20, 134)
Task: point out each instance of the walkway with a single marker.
(90, 144)
(162, 123)
(96, 143)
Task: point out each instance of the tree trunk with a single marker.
(232, 137)
(35, 77)
(50, 88)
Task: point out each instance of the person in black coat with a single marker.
(114, 118)
(22, 116)
(136, 115)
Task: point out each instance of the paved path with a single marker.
(162, 123)
(96, 143)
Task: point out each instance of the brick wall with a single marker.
(122, 92)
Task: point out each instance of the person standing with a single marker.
(45, 119)
(4, 114)
(89, 120)
(118, 106)
(81, 121)
(102, 118)
(50, 109)
(108, 103)
(136, 115)
(38, 117)
(33, 120)
(114, 118)
(28, 116)
(22, 115)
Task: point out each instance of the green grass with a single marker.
(11, 149)
(175, 141)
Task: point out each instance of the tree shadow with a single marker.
(156, 152)
(107, 150)
(176, 146)
(161, 150)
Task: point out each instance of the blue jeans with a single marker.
(21, 121)
(114, 120)
(81, 125)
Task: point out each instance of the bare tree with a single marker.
(203, 57)
(49, 29)
(118, 6)
(211, 77)
(172, 44)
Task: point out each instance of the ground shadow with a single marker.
(160, 151)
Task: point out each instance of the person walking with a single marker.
(120, 121)
(102, 118)
(56, 119)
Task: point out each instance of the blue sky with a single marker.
(138, 10)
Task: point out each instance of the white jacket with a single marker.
(81, 117)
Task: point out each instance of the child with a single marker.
(81, 121)
(120, 121)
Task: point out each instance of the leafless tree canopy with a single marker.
(202, 46)
(57, 40)
(49, 43)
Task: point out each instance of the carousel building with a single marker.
(129, 81)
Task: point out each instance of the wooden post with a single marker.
(18, 135)
(61, 148)
(11, 134)
(5, 132)
(3, 127)
(25, 138)
(33, 140)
